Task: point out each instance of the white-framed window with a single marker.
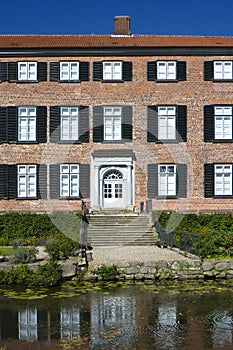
(112, 70)
(27, 323)
(223, 179)
(112, 123)
(223, 70)
(27, 71)
(166, 70)
(69, 180)
(69, 123)
(167, 180)
(26, 180)
(223, 122)
(167, 123)
(27, 124)
(69, 70)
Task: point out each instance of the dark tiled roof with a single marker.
(84, 41)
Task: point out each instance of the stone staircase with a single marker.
(114, 229)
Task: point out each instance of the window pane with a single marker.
(74, 168)
(218, 70)
(64, 128)
(64, 71)
(74, 70)
(107, 70)
(117, 71)
(161, 70)
(32, 71)
(73, 128)
(22, 71)
(227, 70)
(74, 185)
(171, 70)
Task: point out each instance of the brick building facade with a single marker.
(116, 120)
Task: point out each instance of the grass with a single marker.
(6, 251)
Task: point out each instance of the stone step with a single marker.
(118, 242)
(110, 230)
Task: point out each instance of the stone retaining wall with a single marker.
(185, 269)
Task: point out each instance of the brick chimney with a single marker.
(122, 25)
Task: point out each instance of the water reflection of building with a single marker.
(70, 323)
(27, 324)
(112, 314)
(124, 319)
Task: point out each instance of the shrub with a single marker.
(31, 227)
(108, 273)
(60, 247)
(48, 275)
(23, 256)
(215, 230)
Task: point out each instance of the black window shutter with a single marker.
(209, 123)
(54, 128)
(182, 123)
(3, 71)
(3, 181)
(12, 71)
(41, 127)
(127, 71)
(41, 71)
(181, 172)
(54, 176)
(152, 124)
(84, 180)
(98, 71)
(42, 181)
(98, 124)
(12, 124)
(208, 70)
(181, 70)
(84, 123)
(3, 123)
(152, 180)
(208, 180)
(151, 71)
(12, 181)
(126, 125)
(54, 71)
(84, 71)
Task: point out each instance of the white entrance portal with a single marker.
(113, 180)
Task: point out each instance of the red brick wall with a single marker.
(195, 93)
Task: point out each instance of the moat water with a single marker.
(122, 316)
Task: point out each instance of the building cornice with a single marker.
(116, 51)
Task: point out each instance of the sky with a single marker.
(169, 17)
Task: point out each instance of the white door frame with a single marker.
(100, 164)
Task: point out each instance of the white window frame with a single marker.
(26, 181)
(166, 122)
(112, 123)
(223, 123)
(222, 70)
(167, 180)
(223, 179)
(27, 123)
(69, 70)
(166, 70)
(27, 71)
(112, 70)
(69, 180)
(69, 120)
